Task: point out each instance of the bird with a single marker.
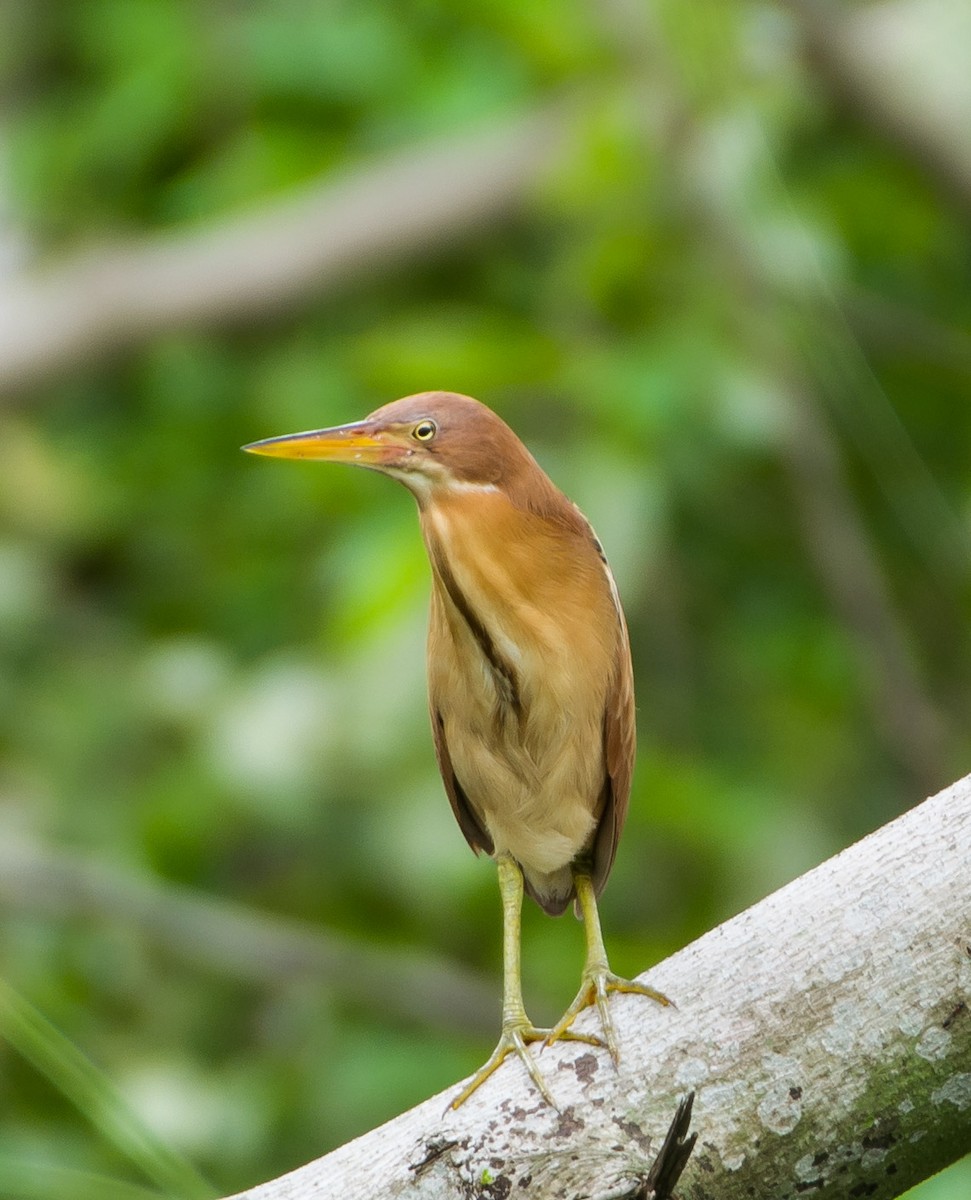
(530, 682)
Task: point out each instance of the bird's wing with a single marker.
(620, 746)
(469, 823)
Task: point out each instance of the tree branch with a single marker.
(257, 263)
(826, 1031)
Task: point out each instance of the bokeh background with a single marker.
(711, 260)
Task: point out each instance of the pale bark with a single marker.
(826, 1032)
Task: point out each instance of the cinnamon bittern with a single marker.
(530, 686)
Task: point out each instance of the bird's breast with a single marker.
(525, 599)
(523, 635)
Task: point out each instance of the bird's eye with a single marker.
(424, 431)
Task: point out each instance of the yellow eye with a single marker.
(424, 431)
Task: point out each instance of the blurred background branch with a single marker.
(253, 265)
(252, 948)
(893, 64)
(256, 264)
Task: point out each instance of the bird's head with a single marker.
(433, 442)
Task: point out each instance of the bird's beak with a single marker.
(359, 443)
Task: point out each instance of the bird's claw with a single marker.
(516, 1039)
(595, 989)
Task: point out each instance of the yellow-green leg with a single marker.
(598, 981)
(517, 1029)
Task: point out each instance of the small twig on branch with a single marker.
(673, 1156)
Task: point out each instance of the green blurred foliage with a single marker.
(212, 667)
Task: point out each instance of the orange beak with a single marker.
(360, 444)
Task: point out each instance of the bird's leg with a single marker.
(598, 981)
(517, 1029)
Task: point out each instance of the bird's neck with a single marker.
(474, 536)
(532, 583)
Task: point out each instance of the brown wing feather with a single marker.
(475, 835)
(469, 823)
(620, 746)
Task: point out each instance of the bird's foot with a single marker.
(598, 983)
(515, 1039)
